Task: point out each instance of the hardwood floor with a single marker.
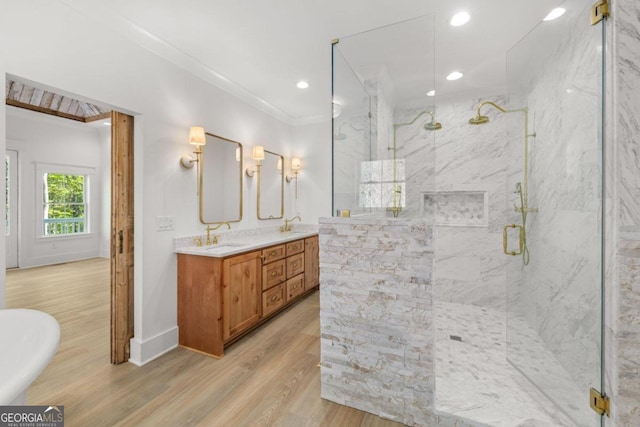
(269, 378)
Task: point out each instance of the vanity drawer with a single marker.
(273, 299)
(295, 247)
(273, 273)
(295, 286)
(273, 253)
(295, 265)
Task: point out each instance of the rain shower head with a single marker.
(432, 125)
(479, 119)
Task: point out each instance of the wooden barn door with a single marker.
(121, 235)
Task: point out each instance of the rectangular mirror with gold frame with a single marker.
(271, 187)
(220, 180)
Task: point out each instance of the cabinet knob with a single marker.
(274, 298)
(274, 273)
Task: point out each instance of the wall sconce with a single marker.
(197, 138)
(296, 165)
(258, 156)
(336, 109)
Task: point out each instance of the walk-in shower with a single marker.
(423, 305)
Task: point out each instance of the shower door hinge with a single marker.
(599, 402)
(599, 11)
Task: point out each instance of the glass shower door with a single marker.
(553, 241)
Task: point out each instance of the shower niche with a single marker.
(456, 208)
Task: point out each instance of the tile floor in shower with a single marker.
(474, 379)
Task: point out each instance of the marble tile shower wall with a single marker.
(469, 265)
(560, 295)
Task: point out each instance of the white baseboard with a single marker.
(56, 259)
(143, 352)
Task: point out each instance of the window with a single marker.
(382, 184)
(64, 204)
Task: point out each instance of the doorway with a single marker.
(120, 218)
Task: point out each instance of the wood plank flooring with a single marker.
(269, 378)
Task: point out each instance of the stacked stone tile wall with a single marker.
(376, 317)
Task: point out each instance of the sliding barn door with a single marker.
(121, 235)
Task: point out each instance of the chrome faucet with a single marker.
(209, 229)
(287, 224)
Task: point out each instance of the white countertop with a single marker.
(233, 246)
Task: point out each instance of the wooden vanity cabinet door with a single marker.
(241, 293)
(311, 262)
(295, 265)
(273, 299)
(273, 273)
(273, 253)
(295, 287)
(295, 247)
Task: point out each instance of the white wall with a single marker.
(61, 143)
(104, 134)
(82, 57)
(312, 143)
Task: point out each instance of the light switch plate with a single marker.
(165, 223)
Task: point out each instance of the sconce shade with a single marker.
(258, 152)
(296, 164)
(337, 109)
(279, 164)
(196, 136)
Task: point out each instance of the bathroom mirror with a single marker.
(271, 187)
(220, 180)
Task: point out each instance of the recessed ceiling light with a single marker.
(106, 123)
(554, 14)
(302, 84)
(454, 75)
(569, 91)
(459, 19)
(431, 93)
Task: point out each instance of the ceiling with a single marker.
(258, 50)
(23, 95)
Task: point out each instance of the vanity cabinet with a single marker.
(220, 299)
(311, 262)
(241, 289)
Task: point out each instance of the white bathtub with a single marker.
(28, 341)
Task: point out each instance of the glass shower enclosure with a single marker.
(509, 180)
(554, 315)
(384, 124)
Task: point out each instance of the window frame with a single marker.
(61, 169)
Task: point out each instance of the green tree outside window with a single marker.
(64, 204)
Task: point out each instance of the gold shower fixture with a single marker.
(479, 119)
(522, 189)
